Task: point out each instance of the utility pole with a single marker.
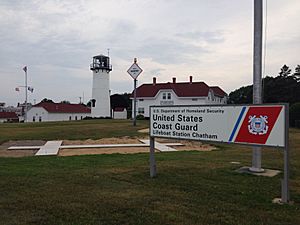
(26, 87)
(257, 77)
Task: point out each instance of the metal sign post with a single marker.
(134, 103)
(152, 158)
(134, 71)
(285, 193)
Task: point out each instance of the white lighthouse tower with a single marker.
(101, 67)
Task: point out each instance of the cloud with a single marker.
(206, 36)
(211, 40)
(169, 51)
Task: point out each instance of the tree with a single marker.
(296, 75)
(242, 95)
(47, 100)
(295, 114)
(89, 104)
(285, 71)
(120, 100)
(283, 88)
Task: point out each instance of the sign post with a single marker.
(255, 125)
(285, 193)
(134, 71)
(134, 102)
(152, 158)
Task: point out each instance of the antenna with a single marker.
(108, 52)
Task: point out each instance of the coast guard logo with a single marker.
(258, 125)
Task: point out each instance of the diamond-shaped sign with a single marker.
(134, 71)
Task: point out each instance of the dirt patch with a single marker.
(19, 153)
(144, 130)
(89, 151)
(120, 140)
(93, 151)
(187, 146)
(194, 145)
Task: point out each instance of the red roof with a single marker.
(119, 109)
(8, 115)
(186, 89)
(218, 91)
(63, 107)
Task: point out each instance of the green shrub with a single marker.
(140, 117)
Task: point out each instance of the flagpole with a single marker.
(25, 119)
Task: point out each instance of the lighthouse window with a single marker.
(93, 102)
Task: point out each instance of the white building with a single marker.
(120, 113)
(101, 92)
(183, 93)
(6, 117)
(47, 111)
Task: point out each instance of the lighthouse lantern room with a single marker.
(101, 68)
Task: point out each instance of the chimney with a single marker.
(154, 80)
(174, 80)
(191, 79)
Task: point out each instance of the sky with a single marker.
(211, 40)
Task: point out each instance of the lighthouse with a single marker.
(100, 103)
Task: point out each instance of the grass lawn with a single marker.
(191, 187)
(73, 130)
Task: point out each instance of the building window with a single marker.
(33, 119)
(141, 111)
(75, 117)
(70, 117)
(164, 96)
(40, 119)
(194, 99)
(169, 95)
(141, 100)
(81, 117)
